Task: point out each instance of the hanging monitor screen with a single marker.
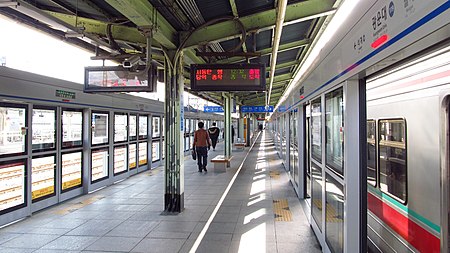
(228, 77)
(120, 79)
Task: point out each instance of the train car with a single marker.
(57, 142)
(363, 130)
(405, 109)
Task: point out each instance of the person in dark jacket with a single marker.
(214, 132)
(232, 134)
(201, 145)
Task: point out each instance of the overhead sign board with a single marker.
(212, 109)
(120, 79)
(251, 109)
(228, 77)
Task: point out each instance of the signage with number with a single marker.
(228, 77)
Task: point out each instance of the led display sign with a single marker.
(120, 79)
(228, 77)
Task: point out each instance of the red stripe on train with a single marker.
(417, 236)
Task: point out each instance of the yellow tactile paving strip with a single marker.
(274, 174)
(79, 205)
(281, 211)
(331, 212)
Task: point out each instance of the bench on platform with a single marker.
(221, 163)
(240, 145)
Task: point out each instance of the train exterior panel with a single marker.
(413, 92)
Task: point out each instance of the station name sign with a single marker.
(228, 77)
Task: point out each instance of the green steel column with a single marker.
(227, 109)
(174, 129)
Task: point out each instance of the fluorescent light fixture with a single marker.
(341, 15)
(73, 35)
(8, 4)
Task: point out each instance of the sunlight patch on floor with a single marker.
(254, 240)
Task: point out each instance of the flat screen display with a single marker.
(228, 77)
(119, 79)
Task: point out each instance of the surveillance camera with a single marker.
(131, 62)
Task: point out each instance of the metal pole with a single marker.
(174, 123)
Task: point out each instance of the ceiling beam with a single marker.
(142, 13)
(93, 26)
(280, 78)
(297, 12)
(236, 14)
(286, 65)
(267, 51)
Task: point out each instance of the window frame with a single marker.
(135, 156)
(90, 170)
(25, 185)
(139, 152)
(127, 161)
(26, 125)
(107, 130)
(82, 170)
(71, 143)
(54, 178)
(313, 101)
(139, 136)
(159, 127)
(133, 138)
(328, 165)
(114, 127)
(379, 121)
(54, 109)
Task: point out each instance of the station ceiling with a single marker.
(116, 29)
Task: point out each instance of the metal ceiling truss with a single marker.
(143, 17)
(265, 20)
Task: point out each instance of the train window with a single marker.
(13, 185)
(392, 157)
(42, 177)
(43, 129)
(156, 127)
(99, 128)
(133, 127)
(316, 130)
(71, 170)
(72, 128)
(334, 134)
(142, 153)
(316, 173)
(334, 211)
(12, 129)
(120, 127)
(143, 126)
(371, 154)
(132, 156)
(120, 159)
(99, 165)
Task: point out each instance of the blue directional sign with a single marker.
(212, 109)
(282, 108)
(256, 109)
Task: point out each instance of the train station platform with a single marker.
(249, 208)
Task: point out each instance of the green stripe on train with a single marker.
(404, 208)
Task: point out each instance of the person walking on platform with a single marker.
(202, 144)
(214, 132)
(232, 134)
